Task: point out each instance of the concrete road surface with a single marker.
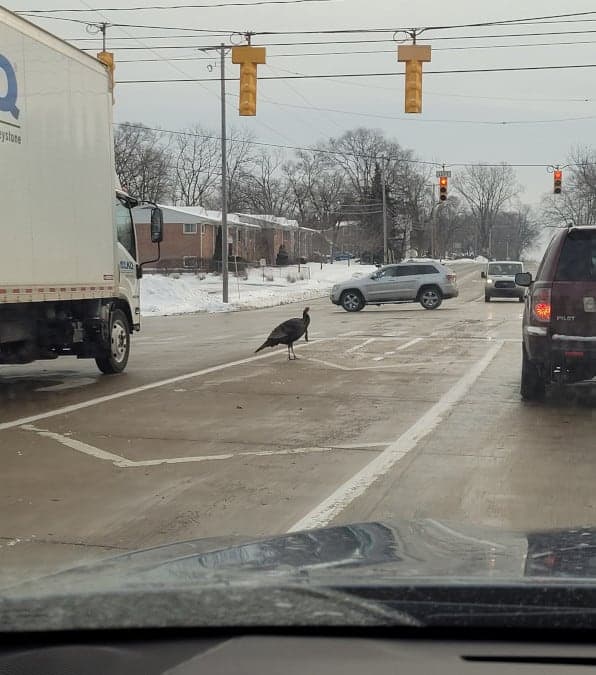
(393, 412)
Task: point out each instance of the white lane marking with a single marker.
(79, 446)
(137, 390)
(390, 366)
(124, 463)
(354, 487)
(359, 345)
(399, 349)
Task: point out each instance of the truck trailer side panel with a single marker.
(56, 170)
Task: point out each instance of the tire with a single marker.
(486, 297)
(521, 298)
(533, 383)
(430, 297)
(114, 361)
(352, 301)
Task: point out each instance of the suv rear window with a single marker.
(577, 261)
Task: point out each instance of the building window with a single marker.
(190, 261)
(189, 228)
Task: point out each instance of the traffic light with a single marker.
(248, 57)
(443, 183)
(107, 58)
(558, 179)
(414, 56)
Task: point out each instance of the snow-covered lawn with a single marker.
(186, 293)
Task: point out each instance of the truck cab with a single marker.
(499, 280)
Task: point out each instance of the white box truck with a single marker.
(69, 271)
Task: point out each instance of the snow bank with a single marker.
(186, 293)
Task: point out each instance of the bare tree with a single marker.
(515, 232)
(265, 188)
(143, 161)
(241, 156)
(487, 190)
(197, 166)
(358, 152)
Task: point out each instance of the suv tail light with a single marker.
(541, 304)
(451, 278)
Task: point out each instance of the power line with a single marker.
(501, 22)
(364, 51)
(251, 3)
(269, 145)
(435, 121)
(325, 151)
(394, 74)
(353, 42)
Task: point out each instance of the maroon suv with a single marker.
(559, 325)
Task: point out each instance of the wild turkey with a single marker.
(287, 333)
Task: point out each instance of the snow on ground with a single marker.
(187, 293)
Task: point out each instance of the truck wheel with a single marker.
(430, 297)
(533, 384)
(115, 359)
(352, 301)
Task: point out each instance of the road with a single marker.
(393, 412)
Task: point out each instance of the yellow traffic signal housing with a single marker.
(414, 56)
(248, 57)
(107, 58)
(558, 179)
(443, 184)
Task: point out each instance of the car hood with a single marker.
(406, 553)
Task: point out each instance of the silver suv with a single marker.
(428, 283)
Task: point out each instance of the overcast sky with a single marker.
(457, 107)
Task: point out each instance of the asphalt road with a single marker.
(393, 412)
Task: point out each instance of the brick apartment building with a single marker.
(190, 236)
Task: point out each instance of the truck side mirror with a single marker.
(156, 225)
(523, 279)
(483, 275)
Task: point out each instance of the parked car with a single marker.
(559, 323)
(428, 283)
(343, 256)
(500, 280)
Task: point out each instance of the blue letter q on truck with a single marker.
(8, 102)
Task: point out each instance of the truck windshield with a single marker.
(505, 268)
(125, 228)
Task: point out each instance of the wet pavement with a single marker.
(393, 412)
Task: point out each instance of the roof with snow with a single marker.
(198, 214)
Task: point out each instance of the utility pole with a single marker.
(224, 178)
(384, 211)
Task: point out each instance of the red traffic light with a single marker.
(558, 175)
(442, 188)
(558, 179)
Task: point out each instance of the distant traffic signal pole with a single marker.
(385, 247)
(224, 178)
(248, 57)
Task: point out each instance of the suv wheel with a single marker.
(352, 301)
(430, 297)
(533, 383)
(486, 297)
